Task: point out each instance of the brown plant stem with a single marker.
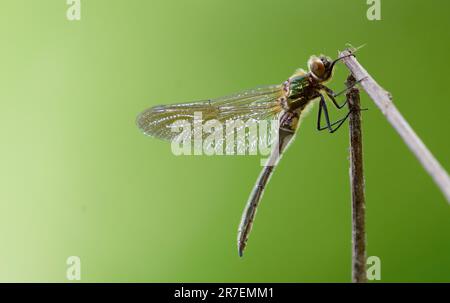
(357, 185)
(384, 102)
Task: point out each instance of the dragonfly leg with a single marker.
(347, 88)
(333, 99)
(329, 126)
(323, 106)
(332, 95)
(340, 122)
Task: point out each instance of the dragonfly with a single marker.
(285, 102)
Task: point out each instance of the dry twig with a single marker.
(357, 185)
(383, 100)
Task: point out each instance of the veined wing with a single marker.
(258, 104)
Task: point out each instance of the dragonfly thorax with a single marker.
(301, 88)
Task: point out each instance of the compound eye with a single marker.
(317, 67)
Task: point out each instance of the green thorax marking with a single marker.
(301, 91)
(297, 86)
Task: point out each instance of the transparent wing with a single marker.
(257, 104)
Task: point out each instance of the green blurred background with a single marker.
(77, 177)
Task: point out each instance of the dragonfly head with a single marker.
(321, 67)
